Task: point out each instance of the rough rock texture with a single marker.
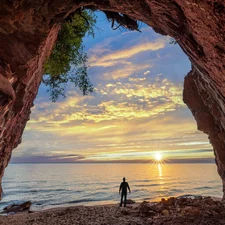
(28, 30)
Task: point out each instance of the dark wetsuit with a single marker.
(124, 186)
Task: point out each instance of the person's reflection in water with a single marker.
(124, 186)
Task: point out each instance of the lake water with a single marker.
(53, 185)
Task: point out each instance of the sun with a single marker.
(158, 157)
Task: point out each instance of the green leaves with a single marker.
(68, 61)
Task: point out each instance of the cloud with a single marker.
(137, 99)
(47, 158)
(118, 56)
(124, 71)
(146, 72)
(96, 140)
(194, 143)
(116, 64)
(113, 102)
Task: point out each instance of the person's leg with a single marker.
(121, 200)
(125, 199)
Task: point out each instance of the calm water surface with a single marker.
(52, 185)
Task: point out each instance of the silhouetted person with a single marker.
(124, 186)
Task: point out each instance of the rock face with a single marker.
(200, 210)
(28, 30)
(17, 208)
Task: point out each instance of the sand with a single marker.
(173, 211)
(107, 214)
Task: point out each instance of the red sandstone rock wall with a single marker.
(28, 30)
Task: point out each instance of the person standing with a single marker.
(124, 186)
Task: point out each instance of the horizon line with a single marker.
(161, 163)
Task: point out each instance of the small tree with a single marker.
(68, 61)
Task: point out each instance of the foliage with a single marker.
(68, 60)
(122, 20)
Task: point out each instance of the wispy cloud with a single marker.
(47, 158)
(124, 71)
(115, 57)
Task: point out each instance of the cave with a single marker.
(28, 31)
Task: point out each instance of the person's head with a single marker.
(124, 179)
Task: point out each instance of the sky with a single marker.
(135, 112)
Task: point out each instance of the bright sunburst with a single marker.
(158, 157)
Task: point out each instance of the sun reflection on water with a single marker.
(160, 170)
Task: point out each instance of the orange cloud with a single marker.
(124, 71)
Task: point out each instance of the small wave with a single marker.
(188, 196)
(41, 202)
(38, 203)
(138, 190)
(95, 194)
(148, 185)
(14, 192)
(78, 201)
(176, 190)
(76, 191)
(50, 190)
(204, 187)
(82, 200)
(145, 181)
(145, 199)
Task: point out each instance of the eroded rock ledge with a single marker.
(28, 30)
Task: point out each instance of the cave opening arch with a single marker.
(29, 30)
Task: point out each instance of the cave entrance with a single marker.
(138, 80)
(136, 110)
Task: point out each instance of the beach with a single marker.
(198, 210)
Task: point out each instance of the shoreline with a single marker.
(167, 211)
(111, 203)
